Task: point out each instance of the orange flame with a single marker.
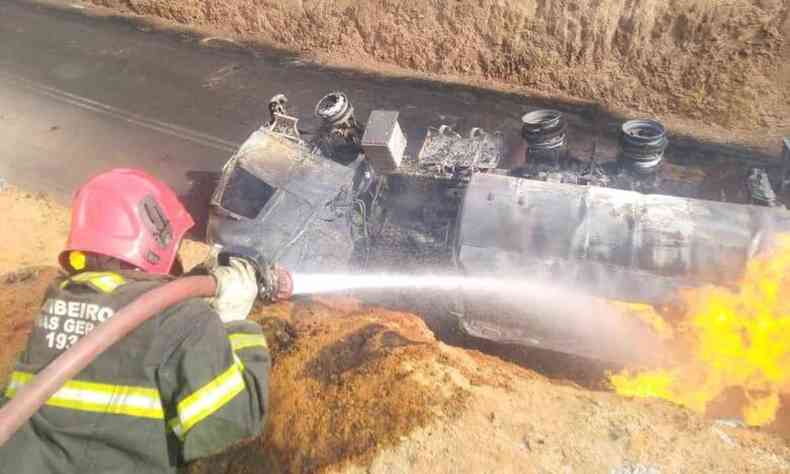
(738, 338)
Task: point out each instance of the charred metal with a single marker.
(633, 226)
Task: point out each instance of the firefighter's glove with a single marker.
(237, 288)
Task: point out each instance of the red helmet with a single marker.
(128, 215)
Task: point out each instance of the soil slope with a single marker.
(718, 60)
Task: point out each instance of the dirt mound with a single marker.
(348, 383)
(364, 367)
(700, 58)
(357, 389)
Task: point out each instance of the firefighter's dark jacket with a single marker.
(180, 387)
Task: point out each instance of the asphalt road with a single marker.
(79, 94)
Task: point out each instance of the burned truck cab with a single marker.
(289, 194)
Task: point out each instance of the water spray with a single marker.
(516, 310)
(322, 283)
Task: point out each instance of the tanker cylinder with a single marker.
(618, 244)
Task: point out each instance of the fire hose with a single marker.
(276, 285)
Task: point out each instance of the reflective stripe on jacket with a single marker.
(180, 387)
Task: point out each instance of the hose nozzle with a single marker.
(276, 283)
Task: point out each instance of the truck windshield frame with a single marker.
(245, 194)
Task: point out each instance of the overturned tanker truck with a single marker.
(632, 227)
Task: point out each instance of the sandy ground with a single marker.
(24, 210)
(357, 388)
(721, 62)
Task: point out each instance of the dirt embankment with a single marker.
(23, 210)
(359, 389)
(718, 60)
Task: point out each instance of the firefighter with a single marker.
(186, 384)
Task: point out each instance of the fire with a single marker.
(645, 313)
(736, 337)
